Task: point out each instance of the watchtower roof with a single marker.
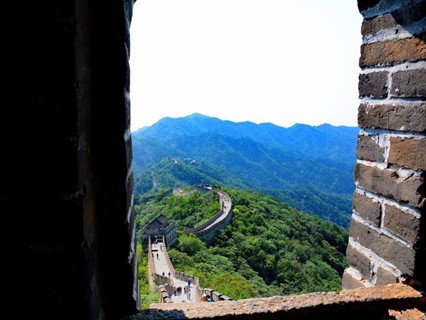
(159, 220)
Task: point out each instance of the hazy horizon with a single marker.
(245, 60)
(243, 121)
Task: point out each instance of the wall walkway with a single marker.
(207, 231)
(163, 274)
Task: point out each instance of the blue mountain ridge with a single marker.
(290, 163)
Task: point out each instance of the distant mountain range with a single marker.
(309, 167)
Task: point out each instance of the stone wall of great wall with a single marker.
(209, 233)
(205, 232)
(387, 233)
(166, 285)
(395, 301)
(151, 267)
(208, 230)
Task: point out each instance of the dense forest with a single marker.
(267, 249)
(189, 211)
(172, 172)
(308, 167)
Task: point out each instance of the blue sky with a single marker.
(274, 61)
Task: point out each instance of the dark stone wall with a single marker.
(66, 231)
(112, 150)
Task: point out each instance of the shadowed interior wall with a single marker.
(67, 240)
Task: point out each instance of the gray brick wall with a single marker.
(386, 241)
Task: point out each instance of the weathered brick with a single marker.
(359, 261)
(406, 314)
(409, 84)
(393, 117)
(408, 14)
(367, 208)
(387, 182)
(372, 26)
(392, 52)
(401, 223)
(384, 246)
(362, 303)
(350, 283)
(385, 277)
(368, 149)
(408, 152)
(373, 84)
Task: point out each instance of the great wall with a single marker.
(208, 230)
(160, 269)
(76, 224)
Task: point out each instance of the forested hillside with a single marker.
(309, 167)
(267, 249)
(172, 172)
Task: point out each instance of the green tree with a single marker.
(190, 244)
